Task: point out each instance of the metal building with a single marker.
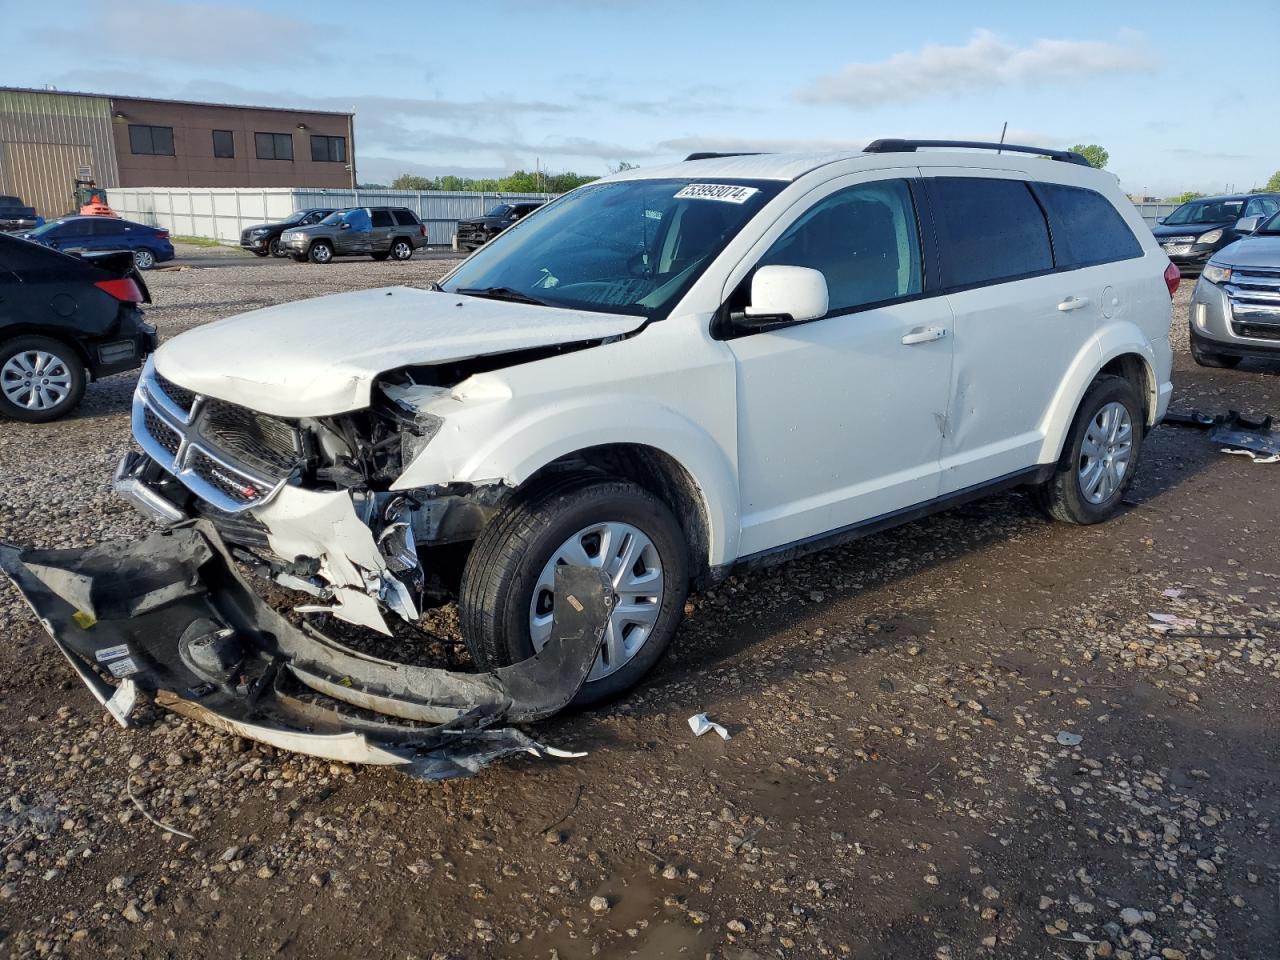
(48, 137)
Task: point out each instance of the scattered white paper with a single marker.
(699, 724)
(1173, 593)
(1069, 739)
(1171, 620)
(1254, 455)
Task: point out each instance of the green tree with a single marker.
(1273, 185)
(1189, 195)
(409, 181)
(1096, 155)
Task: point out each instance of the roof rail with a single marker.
(711, 155)
(910, 146)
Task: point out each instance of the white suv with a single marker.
(671, 373)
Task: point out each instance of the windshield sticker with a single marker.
(653, 214)
(724, 192)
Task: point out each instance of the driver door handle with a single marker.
(924, 335)
(1073, 303)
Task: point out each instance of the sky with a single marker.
(1182, 98)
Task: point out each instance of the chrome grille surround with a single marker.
(175, 437)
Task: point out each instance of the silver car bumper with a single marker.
(1244, 315)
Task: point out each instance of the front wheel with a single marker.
(320, 252)
(507, 598)
(40, 379)
(277, 248)
(1100, 457)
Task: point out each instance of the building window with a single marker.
(157, 141)
(224, 144)
(274, 146)
(329, 149)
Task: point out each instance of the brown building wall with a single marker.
(194, 164)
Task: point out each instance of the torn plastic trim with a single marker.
(133, 609)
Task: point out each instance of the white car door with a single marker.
(839, 419)
(1018, 323)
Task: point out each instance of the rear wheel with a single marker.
(277, 248)
(40, 379)
(507, 597)
(1100, 457)
(144, 259)
(401, 249)
(320, 252)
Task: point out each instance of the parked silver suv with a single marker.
(378, 232)
(1235, 308)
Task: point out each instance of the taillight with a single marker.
(124, 289)
(1171, 277)
(422, 229)
(162, 234)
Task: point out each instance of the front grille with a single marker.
(181, 396)
(261, 441)
(161, 432)
(1258, 331)
(229, 484)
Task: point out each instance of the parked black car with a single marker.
(1197, 229)
(16, 216)
(480, 230)
(378, 232)
(64, 319)
(264, 238)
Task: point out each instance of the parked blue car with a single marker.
(150, 245)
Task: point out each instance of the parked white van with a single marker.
(668, 374)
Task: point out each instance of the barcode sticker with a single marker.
(724, 192)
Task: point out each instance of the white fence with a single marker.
(221, 213)
(1151, 212)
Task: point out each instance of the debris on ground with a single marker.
(699, 724)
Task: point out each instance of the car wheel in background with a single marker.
(320, 252)
(144, 259)
(277, 248)
(40, 379)
(506, 600)
(401, 249)
(1100, 456)
(1207, 358)
(261, 253)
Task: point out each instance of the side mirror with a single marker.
(780, 293)
(1160, 220)
(1248, 224)
(345, 225)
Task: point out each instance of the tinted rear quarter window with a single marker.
(1087, 229)
(405, 218)
(989, 230)
(382, 218)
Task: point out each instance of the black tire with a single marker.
(506, 561)
(299, 258)
(68, 364)
(277, 248)
(380, 256)
(321, 252)
(401, 249)
(261, 253)
(1061, 496)
(1207, 358)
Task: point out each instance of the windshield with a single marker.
(1271, 226)
(501, 210)
(631, 247)
(45, 228)
(296, 216)
(336, 217)
(1206, 211)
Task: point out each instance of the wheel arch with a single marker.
(1123, 353)
(15, 331)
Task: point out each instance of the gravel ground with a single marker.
(963, 738)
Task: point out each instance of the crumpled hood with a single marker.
(1260, 250)
(315, 358)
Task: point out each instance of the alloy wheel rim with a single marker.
(631, 560)
(323, 254)
(143, 258)
(402, 251)
(1105, 451)
(35, 380)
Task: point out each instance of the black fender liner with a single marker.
(171, 617)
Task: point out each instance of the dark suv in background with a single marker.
(379, 232)
(479, 230)
(16, 216)
(263, 239)
(1197, 229)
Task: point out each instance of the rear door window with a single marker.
(989, 231)
(382, 218)
(1087, 229)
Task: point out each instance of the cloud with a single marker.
(190, 33)
(730, 144)
(986, 62)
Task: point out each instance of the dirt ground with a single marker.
(959, 739)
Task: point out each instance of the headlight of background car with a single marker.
(1213, 236)
(259, 233)
(1215, 273)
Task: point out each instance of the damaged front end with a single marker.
(171, 618)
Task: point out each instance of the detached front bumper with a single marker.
(169, 617)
